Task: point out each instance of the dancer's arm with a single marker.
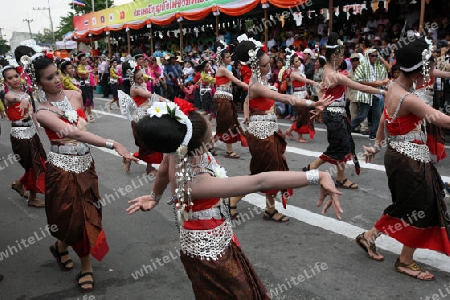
(223, 72)
(295, 76)
(146, 94)
(344, 80)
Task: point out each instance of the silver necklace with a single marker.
(63, 104)
(402, 85)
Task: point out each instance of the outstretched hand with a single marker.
(23, 108)
(369, 153)
(122, 151)
(327, 188)
(324, 102)
(144, 203)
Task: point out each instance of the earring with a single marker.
(39, 95)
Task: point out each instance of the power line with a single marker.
(50, 17)
(29, 27)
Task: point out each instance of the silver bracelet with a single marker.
(382, 92)
(377, 148)
(109, 144)
(308, 103)
(155, 197)
(313, 177)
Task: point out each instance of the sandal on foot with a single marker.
(81, 284)
(36, 203)
(307, 168)
(58, 255)
(18, 187)
(290, 135)
(270, 217)
(232, 154)
(362, 242)
(341, 184)
(413, 267)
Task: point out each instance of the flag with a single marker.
(79, 2)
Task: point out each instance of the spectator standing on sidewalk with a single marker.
(103, 73)
(351, 95)
(371, 73)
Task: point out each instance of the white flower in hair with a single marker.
(242, 37)
(251, 53)
(340, 43)
(71, 115)
(132, 63)
(158, 109)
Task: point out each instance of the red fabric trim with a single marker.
(303, 130)
(433, 238)
(154, 158)
(436, 148)
(335, 162)
(229, 138)
(101, 247)
(202, 224)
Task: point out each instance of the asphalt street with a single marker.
(310, 257)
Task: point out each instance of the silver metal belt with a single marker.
(223, 94)
(262, 129)
(207, 214)
(23, 133)
(412, 150)
(337, 104)
(299, 89)
(206, 244)
(337, 110)
(268, 118)
(71, 149)
(411, 136)
(70, 163)
(227, 89)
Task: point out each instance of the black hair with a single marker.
(291, 61)
(332, 41)
(166, 134)
(64, 64)
(21, 51)
(137, 53)
(224, 51)
(322, 61)
(409, 53)
(8, 69)
(40, 64)
(242, 49)
(80, 55)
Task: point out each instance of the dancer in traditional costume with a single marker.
(304, 123)
(418, 216)
(25, 141)
(210, 252)
(134, 107)
(266, 142)
(71, 183)
(228, 129)
(341, 147)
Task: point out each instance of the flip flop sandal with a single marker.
(413, 267)
(81, 284)
(269, 217)
(359, 241)
(342, 185)
(57, 255)
(232, 155)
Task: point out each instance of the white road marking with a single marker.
(431, 258)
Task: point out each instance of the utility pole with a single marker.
(50, 17)
(29, 27)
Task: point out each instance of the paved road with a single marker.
(311, 257)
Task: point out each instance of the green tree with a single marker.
(4, 47)
(45, 38)
(65, 26)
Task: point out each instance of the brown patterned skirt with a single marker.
(72, 203)
(228, 129)
(229, 277)
(32, 157)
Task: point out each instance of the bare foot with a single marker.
(36, 203)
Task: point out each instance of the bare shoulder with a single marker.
(75, 98)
